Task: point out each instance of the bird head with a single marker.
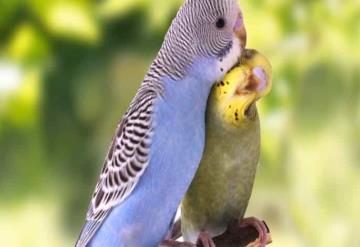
(236, 95)
(205, 40)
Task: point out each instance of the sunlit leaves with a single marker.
(11, 76)
(113, 8)
(28, 45)
(44, 219)
(158, 12)
(21, 106)
(73, 20)
(8, 12)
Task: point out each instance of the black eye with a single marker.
(220, 23)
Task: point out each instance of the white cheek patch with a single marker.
(228, 61)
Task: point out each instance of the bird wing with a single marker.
(126, 161)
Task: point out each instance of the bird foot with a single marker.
(262, 229)
(204, 240)
(173, 243)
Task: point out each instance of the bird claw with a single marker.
(173, 243)
(204, 240)
(262, 229)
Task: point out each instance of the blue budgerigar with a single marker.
(159, 142)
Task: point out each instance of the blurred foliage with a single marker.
(68, 70)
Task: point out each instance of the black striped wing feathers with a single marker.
(126, 161)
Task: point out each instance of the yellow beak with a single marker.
(243, 86)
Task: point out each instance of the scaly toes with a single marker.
(204, 240)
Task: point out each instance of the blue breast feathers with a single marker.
(144, 218)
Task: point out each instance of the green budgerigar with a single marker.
(221, 189)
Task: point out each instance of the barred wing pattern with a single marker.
(126, 161)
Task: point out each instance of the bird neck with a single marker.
(187, 96)
(248, 127)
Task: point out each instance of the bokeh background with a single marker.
(68, 70)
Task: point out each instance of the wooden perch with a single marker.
(235, 237)
(240, 237)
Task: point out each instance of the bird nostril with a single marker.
(248, 54)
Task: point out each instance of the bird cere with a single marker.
(158, 147)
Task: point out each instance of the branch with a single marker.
(234, 237)
(239, 237)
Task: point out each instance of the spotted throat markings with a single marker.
(227, 62)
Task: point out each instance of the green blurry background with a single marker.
(68, 70)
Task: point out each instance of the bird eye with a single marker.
(220, 23)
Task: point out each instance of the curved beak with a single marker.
(258, 80)
(261, 72)
(246, 83)
(239, 30)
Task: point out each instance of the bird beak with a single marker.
(258, 81)
(246, 83)
(240, 31)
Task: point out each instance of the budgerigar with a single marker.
(220, 191)
(159, 142)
